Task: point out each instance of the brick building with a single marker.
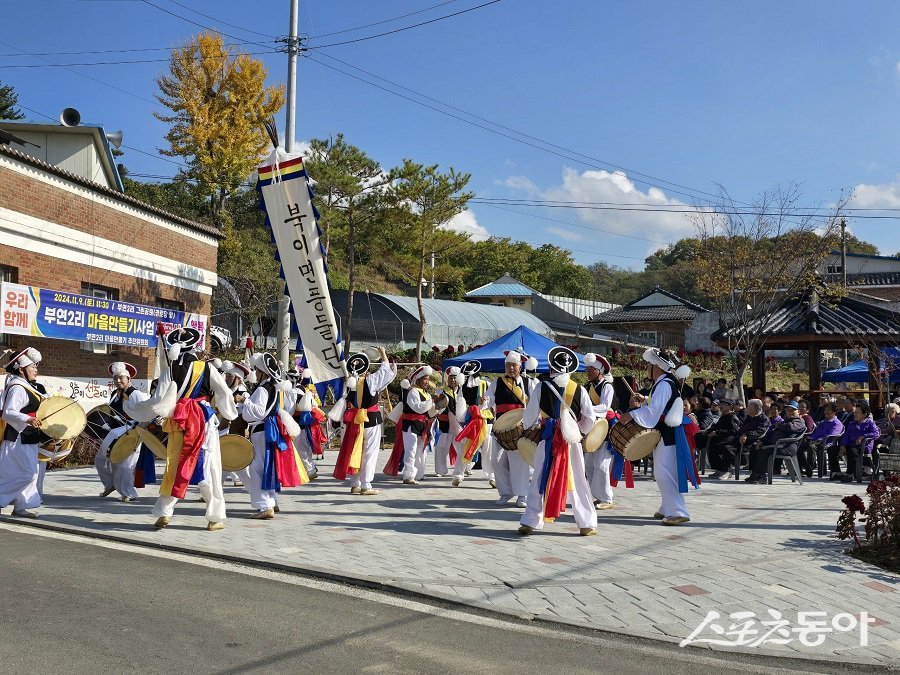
(66, 225)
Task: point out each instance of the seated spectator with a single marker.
(845, 410)
(856, 444)
(733, 391)
(774, 415)
(720, 391)
(721, 456)
(803, 407)
(715, 409)
(791, 427)
(704, 414)
(829, 426)
(646, 385)
(722, 430)
(889, 426)
(740, 410)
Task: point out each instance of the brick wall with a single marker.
(36, 198)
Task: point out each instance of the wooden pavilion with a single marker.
(803, 322)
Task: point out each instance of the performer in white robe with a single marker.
(449, 423)
(22, 395)
(363, 424)
(235, 375)
(664, 411)
(120, 477)
(189, 394)
(476, 414)
(508, 392)
(268, 412)
(559, 477)
(598, 464)
(415, 427)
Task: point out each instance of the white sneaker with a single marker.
(503, 501)
(520, 503)
(456, 482)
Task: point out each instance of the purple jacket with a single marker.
(866, 429)
(826, 428)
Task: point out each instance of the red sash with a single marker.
(506, 407)
(558, 482)
(392, 468)
(352, 431)
(189, 417)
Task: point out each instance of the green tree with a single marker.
(350, 199)
(219, 103)
(424, 200)
(9, 99)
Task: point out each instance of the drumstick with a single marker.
(49, 415)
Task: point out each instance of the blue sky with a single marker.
(693, 93)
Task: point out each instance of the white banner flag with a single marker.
(289, 208)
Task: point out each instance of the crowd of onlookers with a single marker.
(844, 428)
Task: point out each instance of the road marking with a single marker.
(385, 598)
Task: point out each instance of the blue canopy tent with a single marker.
(521, 339)
(858, 371)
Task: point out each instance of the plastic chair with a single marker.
(704, 450)
(790, 460)
(738, 458)
(821, 453)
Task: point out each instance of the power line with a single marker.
(112, 51)
(200, 25)
(565, 222)
(378, 23)
(399, 30)
(104, 63)
(224, 23)
(88, 77)
(567, 154)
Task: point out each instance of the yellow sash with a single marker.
(515, 389)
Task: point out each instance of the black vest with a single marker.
(30, 435)
(368, 400)
(504, 395)
(472, 394)
(549, 400)
(444, 424)
(271, 404)
(117, 402)
(414, 426)
(667, 432)
(181, 372)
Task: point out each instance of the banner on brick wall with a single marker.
(41, 312)
(88, 391)
(287, 201)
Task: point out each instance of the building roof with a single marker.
(657, 305)
(203, 228)
(505, 286)
(870, 279)
(96, 131)
(468, 314)
(805, 315)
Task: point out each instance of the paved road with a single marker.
(78, 607)
(759, 549)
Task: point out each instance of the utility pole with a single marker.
(290, 121)
(844, 268)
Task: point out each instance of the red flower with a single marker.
(460, 348)
(854, 503)
(435, 349)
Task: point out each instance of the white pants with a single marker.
(413, 456)
(19, 475)
(210, 486)
(665, 471)
(579, 498)
(442, 454)
(598, 466)
(459, 471)
(119, 477)
(511, 472)
(260, 499)
(371, 445)
(305, 450)
(42, 472)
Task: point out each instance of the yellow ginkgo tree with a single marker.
(219, 102)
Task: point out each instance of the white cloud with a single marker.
(562, 233)
(466, 223)
(885, 196)
(606, 188)
(520, 184)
